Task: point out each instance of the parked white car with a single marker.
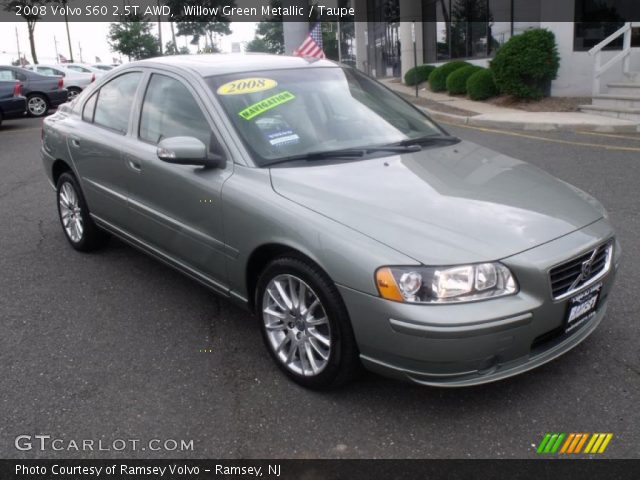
(74, 81)
(83, 68)
(105, 67)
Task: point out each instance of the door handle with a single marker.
(75, 142)
(135, 165)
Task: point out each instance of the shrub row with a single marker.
(523, 67)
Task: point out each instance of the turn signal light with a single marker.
(387, 285)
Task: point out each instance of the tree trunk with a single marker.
(31, 26)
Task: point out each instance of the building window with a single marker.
(595, 20)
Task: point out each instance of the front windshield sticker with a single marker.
(282, 138)
(266, 105)
(247, 85)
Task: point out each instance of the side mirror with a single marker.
(188, 151)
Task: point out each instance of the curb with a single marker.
(531, 127)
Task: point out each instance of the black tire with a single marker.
(73, 92)
(343, 363)
(92, 237)
(0, 118)
(42, 104)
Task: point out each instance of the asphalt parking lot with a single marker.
(115, 345)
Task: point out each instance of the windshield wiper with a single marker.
(348, 153)
(427, 140)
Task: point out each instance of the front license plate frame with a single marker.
(581, 308)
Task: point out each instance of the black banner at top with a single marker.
(614, 11)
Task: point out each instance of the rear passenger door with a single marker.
(177, 208)
(96, 147)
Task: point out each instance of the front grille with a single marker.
(577, 272)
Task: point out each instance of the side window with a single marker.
(46, 71)
(114, 102)
(89, 108)
(169, 110)
(6, 74)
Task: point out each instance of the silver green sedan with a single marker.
(358, 231)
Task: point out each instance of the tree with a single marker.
(132, 37)
(29, 16)
(197, 26)
(269, 37)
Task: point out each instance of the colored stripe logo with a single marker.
(574, 443)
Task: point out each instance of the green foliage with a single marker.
(197, 26)
(526, 64)
(457, 81)
(269, 36)
(132, 37)
(481, 85)
(438, 78)
(418, 74)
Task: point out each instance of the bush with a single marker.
(418, 74)
(438, 78)
(457, 81)
(481, 85)
(526, 64)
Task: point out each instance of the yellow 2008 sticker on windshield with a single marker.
(247, 85)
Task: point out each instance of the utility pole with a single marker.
(18, 44)
(339, 35)
(80, 48)
(159, 28)
(415, 54)
(66, 22)
(55, 44)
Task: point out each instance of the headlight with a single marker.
(463, 283)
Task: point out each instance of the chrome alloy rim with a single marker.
(297, 325)
(37, 106)
(72, 94)
(70, 212)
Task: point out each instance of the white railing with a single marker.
(624, 55)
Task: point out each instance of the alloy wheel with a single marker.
(37, 106)
(70, 212)
(73, 93)
(296, 325)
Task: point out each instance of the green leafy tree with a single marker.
(269, 36)
(132, 37)
(200, 26)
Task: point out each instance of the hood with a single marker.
(442, 206)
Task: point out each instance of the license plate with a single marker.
(582, 308)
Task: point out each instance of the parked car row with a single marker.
(35, 89)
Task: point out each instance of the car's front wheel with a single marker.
(37, 105)
(305, 324)
(83, 234)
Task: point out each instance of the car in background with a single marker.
(74, 81)
(83, 68)
(105, 67)
(12, 103)
(42, 92)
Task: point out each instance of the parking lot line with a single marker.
(546, 139)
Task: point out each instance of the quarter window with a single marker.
(169, 110)
(113, 105)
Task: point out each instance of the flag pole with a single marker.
(55, 43)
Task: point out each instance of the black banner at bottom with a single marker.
(319, 469)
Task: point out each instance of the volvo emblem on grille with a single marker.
(585, 270)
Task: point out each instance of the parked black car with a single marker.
(42, 92)
(12, 103)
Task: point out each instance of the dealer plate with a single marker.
(582, 308)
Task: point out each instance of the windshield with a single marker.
(289, 113)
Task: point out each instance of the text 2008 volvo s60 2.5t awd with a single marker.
(357, 229)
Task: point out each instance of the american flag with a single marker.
(312, 45)
(62, 58)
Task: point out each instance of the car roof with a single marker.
(224, 63)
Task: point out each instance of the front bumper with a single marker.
(479, 342)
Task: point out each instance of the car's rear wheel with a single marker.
(37, 105)
(73, 93)
(81, 232)
(305, 324)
